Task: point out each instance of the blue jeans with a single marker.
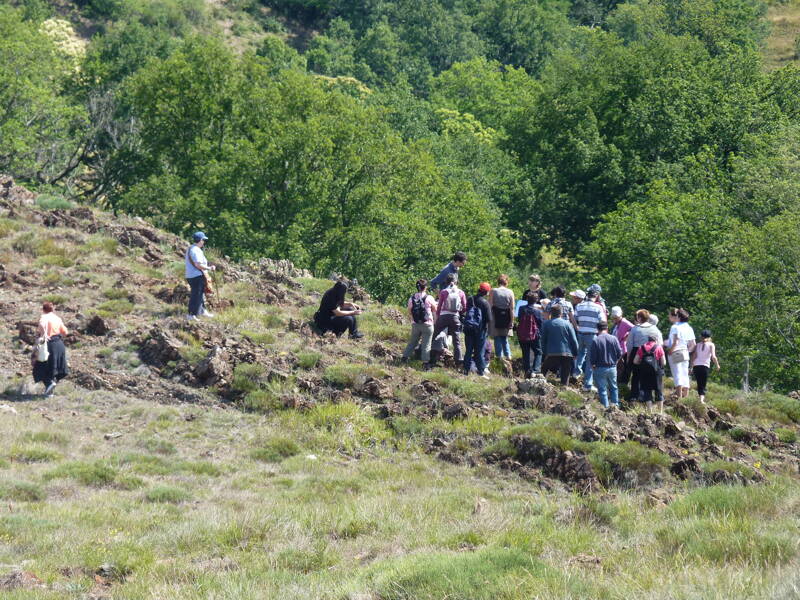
(198, 287)
(606, 380)
(501, 346)
(582, 364)
(475, 343)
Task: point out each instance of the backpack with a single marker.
(473, 321)
(650, 365)
(452, 302)
(419, 308)
(527, 328)
(502, 317)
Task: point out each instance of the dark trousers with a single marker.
(701, 377)
(558, 364)
(339, 325)
(475, 343)
(531, 356)
(198, 286)
(451, 324)
(55, 368)
(633, 370)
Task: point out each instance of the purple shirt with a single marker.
(621, 330)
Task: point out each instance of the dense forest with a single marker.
(644, 142)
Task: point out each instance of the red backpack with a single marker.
(527, 328)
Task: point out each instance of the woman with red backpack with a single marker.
(650, 361)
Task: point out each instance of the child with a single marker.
(704, 354)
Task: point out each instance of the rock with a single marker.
(177, 295)
(27, 331)
(274, 295)
(425, 389)
(685, 467)
(457, 410)
(369, 386)
(97, 326)
(723, 425)
(535, 387)
(573, 469)
(20, 580)
(381, 351)
(215, 368)
(394, 315)
(659, 497)
(15, 194)
(159, 347)
(591, 434)
(112, 436)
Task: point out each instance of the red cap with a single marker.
(485, 287)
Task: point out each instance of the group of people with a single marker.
(573, 335)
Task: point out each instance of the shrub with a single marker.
(247, 377)
(116, 293)
(308, 360)
(56, 299)
(262, 338)
(32, 454)
(113, 308)
(167, 494)
(727, 405)
(45, 437)
(629, 456)
(735, 468)
(787, 436)
(21, 491)
(96, 474)
(783, 405)
(275, 450)
(49, 202)
(7, 227)
(738, 434)
(54, 260)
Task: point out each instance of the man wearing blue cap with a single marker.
(196, 267)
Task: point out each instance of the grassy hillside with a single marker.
(781, 48)
(245, 457)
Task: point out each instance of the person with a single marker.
(597, 291)
(529, 327)
(196, 268)
(502, 302)
(54, 369)
(621, 330)
(451, 307)
(680, 343)
(476, 327)
(637, 338)
(576, 298)
(588, 314)
(603, 357)
(559, 344)
(439, 282)
(421, 307)
(534, 294)
(336, 315)
(650, 362)
(704, 354)
(567, 312)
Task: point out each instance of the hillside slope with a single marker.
(246, 457)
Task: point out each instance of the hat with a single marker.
(706, 333)
(616, 311)
(579, 294)
(199, 236)
(653, 320)
(594, 289)
(485, 287)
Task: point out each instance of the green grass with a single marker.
(50, 202)
(787, 436)
(274, 450)
(345, 374)
(95, 474)
(730, 467)
(33, 454)
(167, 494)
(114, 308)
(308, 360)
(118, 293)
(56, 299)
(21, 491)
(248, 377)
(7, 227)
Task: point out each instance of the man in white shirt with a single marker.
(196, 267)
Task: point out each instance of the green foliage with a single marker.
(95, 474)
(274, 450)
(32, 454)
(787, 436)
(49, 202)
(167, 494)
(736, 468)
(21, 491)
(114, 308)
(308, 360)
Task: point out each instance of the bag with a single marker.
(527, 328)
(649, 365)
(419, 308)
(42, 352)
(473, 321)
(502, 317)
(680, 356)
(452, 302)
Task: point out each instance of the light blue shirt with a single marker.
(199, 258)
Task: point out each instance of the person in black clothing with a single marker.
(476, 329)
(336, 315)
(534, 294)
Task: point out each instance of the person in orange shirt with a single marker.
(54, 369)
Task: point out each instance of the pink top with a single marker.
(430, 303)
(443, 301)
(52, 325)
(621, 331)
(703, 353)
(658, 353)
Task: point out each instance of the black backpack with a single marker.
(473, 320)
(419, 309)
(502, 317)
(650, 364)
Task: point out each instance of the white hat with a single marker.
(579, 294)
(616, 311)
(653, 319)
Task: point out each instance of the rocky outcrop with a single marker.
(571, 468)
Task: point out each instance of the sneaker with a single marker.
(191, 318)
(48, 391)
(486, 375)
(205, 313)
(356, 336)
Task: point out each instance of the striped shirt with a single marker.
(566, 307)
(588, 314)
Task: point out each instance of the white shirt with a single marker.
(682, 332)
(198, 257)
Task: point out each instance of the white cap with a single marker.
(616, 311)
(653, 319)
(579, 294)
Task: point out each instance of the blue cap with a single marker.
(199, 235)
(594, 289)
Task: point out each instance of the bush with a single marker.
(118, 293)
(275, 450)
(735, 468)
(247, 377)
(56, 299)
(167, 494)
(114, 308)
(32, 454)
(308, 360)
(95, 474)
(787, 436)
(21, 491)
(629, 456)
(49, 202)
